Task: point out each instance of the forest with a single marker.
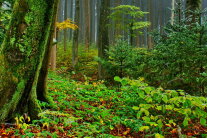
(103, 68)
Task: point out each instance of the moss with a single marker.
(23, 52)
(11, 105)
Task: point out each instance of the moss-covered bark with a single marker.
(22, 54)
(42, 80)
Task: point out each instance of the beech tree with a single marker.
(21, 56)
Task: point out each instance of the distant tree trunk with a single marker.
(65, 30)
(53, 53)
(192, 6)
(131, 33)
(21, 56)
(149, 29)
(87, 24)
(118, 31)
(54, 47)
(103, 42)
(172, 12)
(75, 35)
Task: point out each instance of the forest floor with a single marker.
(90, 109)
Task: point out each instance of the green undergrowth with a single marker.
(86, 64)
(90, 109)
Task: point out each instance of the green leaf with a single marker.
(164, 98)
(160, 124)
(159, 135)
(149, 99)
(159, 108)
(117, 78)
(146, 119)
(124, 82)
(143, 128)
(135, 107)
(203, 121)
(185, 122)
(148, 90)
(141, 94)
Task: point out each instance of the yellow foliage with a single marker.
(66, 24)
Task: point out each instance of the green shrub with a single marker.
(179, 58)
(118, 60)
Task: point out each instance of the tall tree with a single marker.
(150, 28)
(65, 31)
(172, 12)
(21, 56)
(76, 35)
(103, 41)
(87, 23)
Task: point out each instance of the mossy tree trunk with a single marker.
(22, 54)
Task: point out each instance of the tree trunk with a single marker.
(118, 30)
(49, 52)
(172, 12)
(103, 42)
(150, 28)
(21, 56)
(87, 24)
(53, 56)
(65, 30)
(75, 35)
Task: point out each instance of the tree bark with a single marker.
(21, 57)
(76, 35)
(150, 28)
(172, 12)
(103, 42)
(65, 30)
(49, 52)
(87, 24)
(53, 56)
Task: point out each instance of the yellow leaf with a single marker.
(159, 135)
(143, 128)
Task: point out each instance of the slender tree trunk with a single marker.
(53, 53)
(75, 35)
(87, 24)
(103, 42)
(150, 28)
(172, 12)
(118, 31)
(131, 33)
(65, 30)
(21, 56)
(54, 49)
